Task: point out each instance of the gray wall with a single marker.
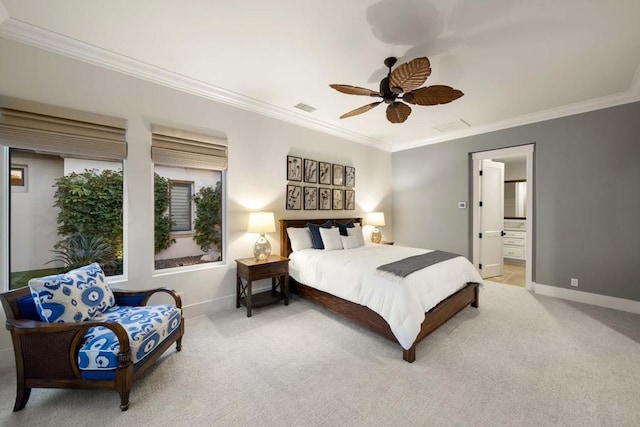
(586, 201)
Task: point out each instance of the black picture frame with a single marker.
(337, 199)
(349, 200)
(294, 197)
(337, 175)
(324, 173)
(324, 199)
(310, 170)
(294, 168)
(310, 198)
(349, 176)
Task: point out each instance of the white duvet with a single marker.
(351, 274)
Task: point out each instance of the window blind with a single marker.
(57, 130)
(172, 147)
(180, 209)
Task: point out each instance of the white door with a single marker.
(491, 217)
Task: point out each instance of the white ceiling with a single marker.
(517, 61)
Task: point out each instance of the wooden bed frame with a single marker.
(366, 317)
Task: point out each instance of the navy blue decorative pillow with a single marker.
(343, 227)
(316, 239)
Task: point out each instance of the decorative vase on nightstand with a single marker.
(261, 223)
(376, 219)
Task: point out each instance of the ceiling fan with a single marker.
(402, 84)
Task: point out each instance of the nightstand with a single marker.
(249, 269)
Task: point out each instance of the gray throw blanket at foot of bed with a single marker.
(406, 266)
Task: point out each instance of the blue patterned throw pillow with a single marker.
(75, 296)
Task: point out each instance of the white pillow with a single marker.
(300, 238)
(349, 242)
(356, 231)
(331, 238)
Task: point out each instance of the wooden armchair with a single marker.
(46, 354)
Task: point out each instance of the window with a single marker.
(188, 198)
(180, 208)
(65, 200)
(18, 176)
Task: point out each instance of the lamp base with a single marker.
(262, 248)
(376, 235)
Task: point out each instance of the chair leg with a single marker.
(124, 400)
(22, 397)
(179, 344)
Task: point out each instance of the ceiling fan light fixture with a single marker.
(403, 84)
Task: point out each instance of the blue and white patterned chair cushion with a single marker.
(147, 327)
(76, 296)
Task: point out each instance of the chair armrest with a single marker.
(138, 298)
(31, 337)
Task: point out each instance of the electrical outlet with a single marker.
(574, 282)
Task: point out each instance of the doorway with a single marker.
(516, 242)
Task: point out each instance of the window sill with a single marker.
(189, 268)
(189, 233)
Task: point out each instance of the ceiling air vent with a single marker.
(448, 127)
(305, 107)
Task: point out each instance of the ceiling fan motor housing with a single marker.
(402, 84)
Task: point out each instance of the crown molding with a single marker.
(22, 32)
(633, 95)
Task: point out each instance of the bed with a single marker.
(465, 293)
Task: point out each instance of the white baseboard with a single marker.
(218, 304)
(588, 298)
(210, 306)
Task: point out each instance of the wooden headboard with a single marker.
(285, 244)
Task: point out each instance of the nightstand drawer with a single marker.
(266, 271)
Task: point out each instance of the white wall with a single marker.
(256, 178)
(80, 165)
(32, 241)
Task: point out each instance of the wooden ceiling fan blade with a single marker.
(398, 112)
(433, 95)
(411, 75)
(355, 90)
(360, 110)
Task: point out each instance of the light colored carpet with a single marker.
(520, 359)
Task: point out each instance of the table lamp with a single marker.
(261, 223)
(377, 220)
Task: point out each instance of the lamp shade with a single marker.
(375, 218)
(261, 222)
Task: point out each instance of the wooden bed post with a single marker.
(409, 355)
(476, 297)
